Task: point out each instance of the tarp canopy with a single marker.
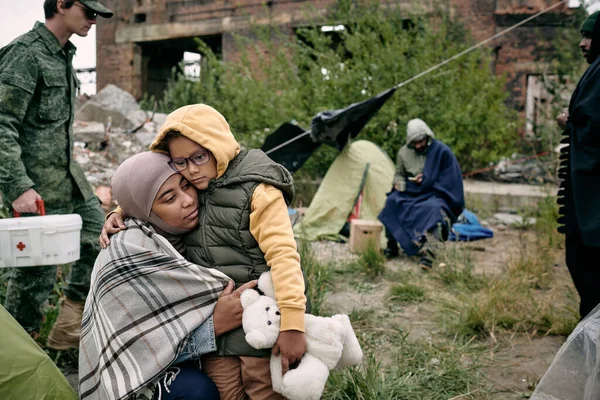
(335, 199)
(26, 372)
(336, 127)
(283, 147)
(291, 145)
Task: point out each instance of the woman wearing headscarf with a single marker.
(149, 312)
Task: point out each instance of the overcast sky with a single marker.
(17, 17)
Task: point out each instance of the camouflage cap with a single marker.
(95, 5)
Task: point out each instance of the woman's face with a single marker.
(176, 203)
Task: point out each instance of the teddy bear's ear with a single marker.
(248, 297)
(265, 284)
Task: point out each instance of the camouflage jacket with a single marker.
(37, 95)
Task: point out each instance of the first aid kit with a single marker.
(43, 240)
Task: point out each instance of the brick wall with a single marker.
(115, 63)
(120, 60)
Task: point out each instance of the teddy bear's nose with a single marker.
(268, 308)
(268, 322)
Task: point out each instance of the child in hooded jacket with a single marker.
(244, 230)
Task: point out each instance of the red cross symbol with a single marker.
(21, 246)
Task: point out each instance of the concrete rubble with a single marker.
(513, 220)
(109, 128)
(533, 171)
(113, 106)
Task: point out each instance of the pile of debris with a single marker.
(109, 128)
(535, 171)
(532, 170)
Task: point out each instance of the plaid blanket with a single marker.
(144, 300)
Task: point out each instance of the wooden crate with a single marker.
(362, 232)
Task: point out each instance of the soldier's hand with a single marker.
(25, 203)
(114, 223)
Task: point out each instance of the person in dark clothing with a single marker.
(427, 196)
(579, 194)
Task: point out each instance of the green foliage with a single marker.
(318, 277)
(521, 300)
(406, 293)
(370, 261)
(420, 371)
(547, 222)
(278, 78)
(3, 284)
(52, 308)
(454, 268)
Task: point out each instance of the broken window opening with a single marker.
(139, 18)
(160, 58)
(544, 93)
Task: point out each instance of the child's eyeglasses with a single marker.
(89, 13)
(180, 164)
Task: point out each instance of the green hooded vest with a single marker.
(223, 239)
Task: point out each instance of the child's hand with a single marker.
(292, 346)
(114, 224)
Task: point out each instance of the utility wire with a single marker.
(478, 45)
(447, 61)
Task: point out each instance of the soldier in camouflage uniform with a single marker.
(37, 96)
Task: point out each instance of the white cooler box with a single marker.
(47, 240)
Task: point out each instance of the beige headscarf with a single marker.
(135, 185)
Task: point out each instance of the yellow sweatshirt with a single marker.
(269, 221)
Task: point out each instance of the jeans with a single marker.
(185, 382)
(201, 341)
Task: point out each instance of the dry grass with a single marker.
(531, 296)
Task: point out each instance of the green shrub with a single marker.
(279, 78)
(318, 277)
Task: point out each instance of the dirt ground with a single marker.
(514, 363)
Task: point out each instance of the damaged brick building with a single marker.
(137, 49)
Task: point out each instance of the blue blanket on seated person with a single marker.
(410, 214)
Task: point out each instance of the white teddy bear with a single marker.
(331, 343)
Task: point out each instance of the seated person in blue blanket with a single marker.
(427, 195)
(150, 312)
